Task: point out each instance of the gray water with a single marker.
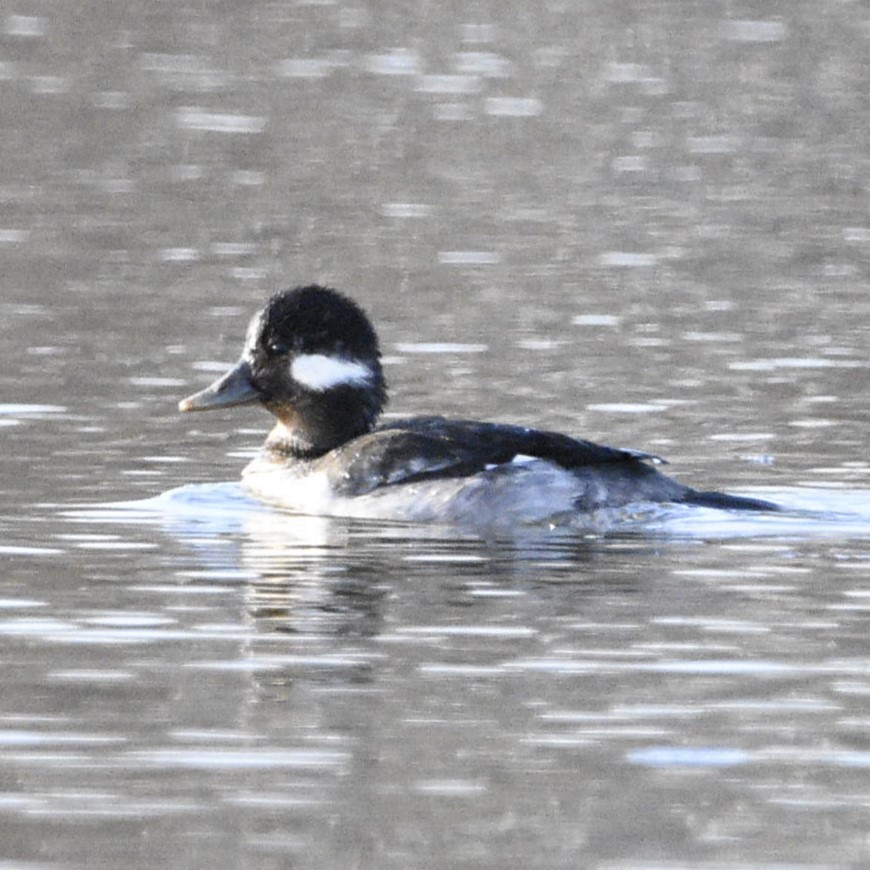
(645, 224)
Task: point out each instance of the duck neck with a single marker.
(317, 423)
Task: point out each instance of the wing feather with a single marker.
(427, 448)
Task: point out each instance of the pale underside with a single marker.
(523, 492)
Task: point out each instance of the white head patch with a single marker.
(320, 373)
(253, 333)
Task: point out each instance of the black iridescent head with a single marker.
(313, 320)
(311, 357)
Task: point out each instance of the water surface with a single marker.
(642, 225)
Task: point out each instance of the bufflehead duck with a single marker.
(311, 357)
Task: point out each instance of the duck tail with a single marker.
(724, 501)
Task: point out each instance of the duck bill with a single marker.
(236, 387)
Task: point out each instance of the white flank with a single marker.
(519, 459)
(319, 372)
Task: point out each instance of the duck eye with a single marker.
(278, 347)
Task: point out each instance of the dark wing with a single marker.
(426, 448)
